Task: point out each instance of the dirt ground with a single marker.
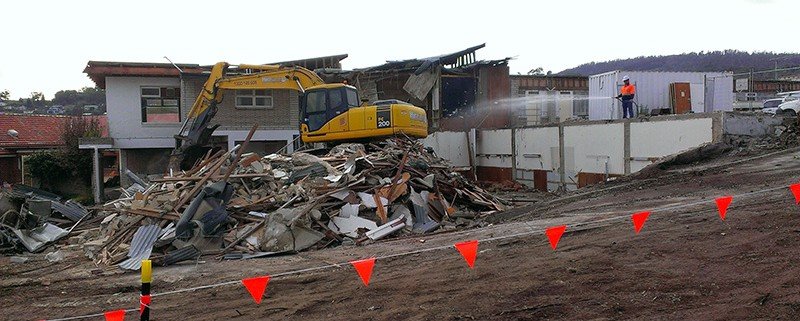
(686, 263)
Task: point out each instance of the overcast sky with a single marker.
(46, 44)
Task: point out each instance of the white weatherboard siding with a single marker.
(663, 138)
(124, 109)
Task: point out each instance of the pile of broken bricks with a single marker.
(235, 205)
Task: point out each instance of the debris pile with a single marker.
(242, 205)
(42, 218)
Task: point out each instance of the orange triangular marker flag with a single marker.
(469, 250)
(256, 286)
(796, 192)
(722, 205)
(117, 315)
(638, 220)
(364, 269)
(554, 234)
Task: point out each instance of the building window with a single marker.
(161, 104)
(258, 98)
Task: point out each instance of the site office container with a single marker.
(710, 91)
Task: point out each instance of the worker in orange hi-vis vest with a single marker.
(626, 94)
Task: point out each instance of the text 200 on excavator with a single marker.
(328, 112)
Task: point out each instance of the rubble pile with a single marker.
(785, 135)
(235, 205)
(38, 219)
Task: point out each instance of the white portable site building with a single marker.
(678, 92)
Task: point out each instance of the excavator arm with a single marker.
(195, 131)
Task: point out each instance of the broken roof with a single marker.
(461, 59)
(454, 63)
(99, 70)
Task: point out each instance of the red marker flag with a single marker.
(722, 205)
(469, 250)
(364, 269)
(638, 220)
(796, 192)
(117, 315)
(554, 235)
(256, 287)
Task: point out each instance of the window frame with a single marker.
(269, 93)
(144, 103)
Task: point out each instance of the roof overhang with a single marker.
(99, 70)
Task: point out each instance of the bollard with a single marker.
(144, 301)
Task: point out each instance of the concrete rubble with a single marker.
(235, 205)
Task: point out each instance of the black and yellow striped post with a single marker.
(144, 301)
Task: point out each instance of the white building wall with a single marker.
(651, 140)
(592, 146)
(123, 99)
(588, 148)
(493, 148)
(449, 145)
(124, 109)
(534, 148)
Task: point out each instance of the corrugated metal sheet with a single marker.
(70, 209)
(652, 91)
(141, 246)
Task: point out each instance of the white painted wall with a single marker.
(663, 138)
(492, 146)
(593, 146)
(124, 108)
(534, 146)
(449, 145)
(587, 147)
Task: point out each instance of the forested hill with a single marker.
(728, 60)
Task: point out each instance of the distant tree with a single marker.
(37, 99)
(4, 94)
(84, 96)
(65, 97)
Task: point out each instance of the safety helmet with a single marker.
(626, 78)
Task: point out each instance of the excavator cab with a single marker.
(325, 102)
(332, 112)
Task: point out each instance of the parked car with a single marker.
(790, 106)
(771, 106)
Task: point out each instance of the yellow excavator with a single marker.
(328, 112)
